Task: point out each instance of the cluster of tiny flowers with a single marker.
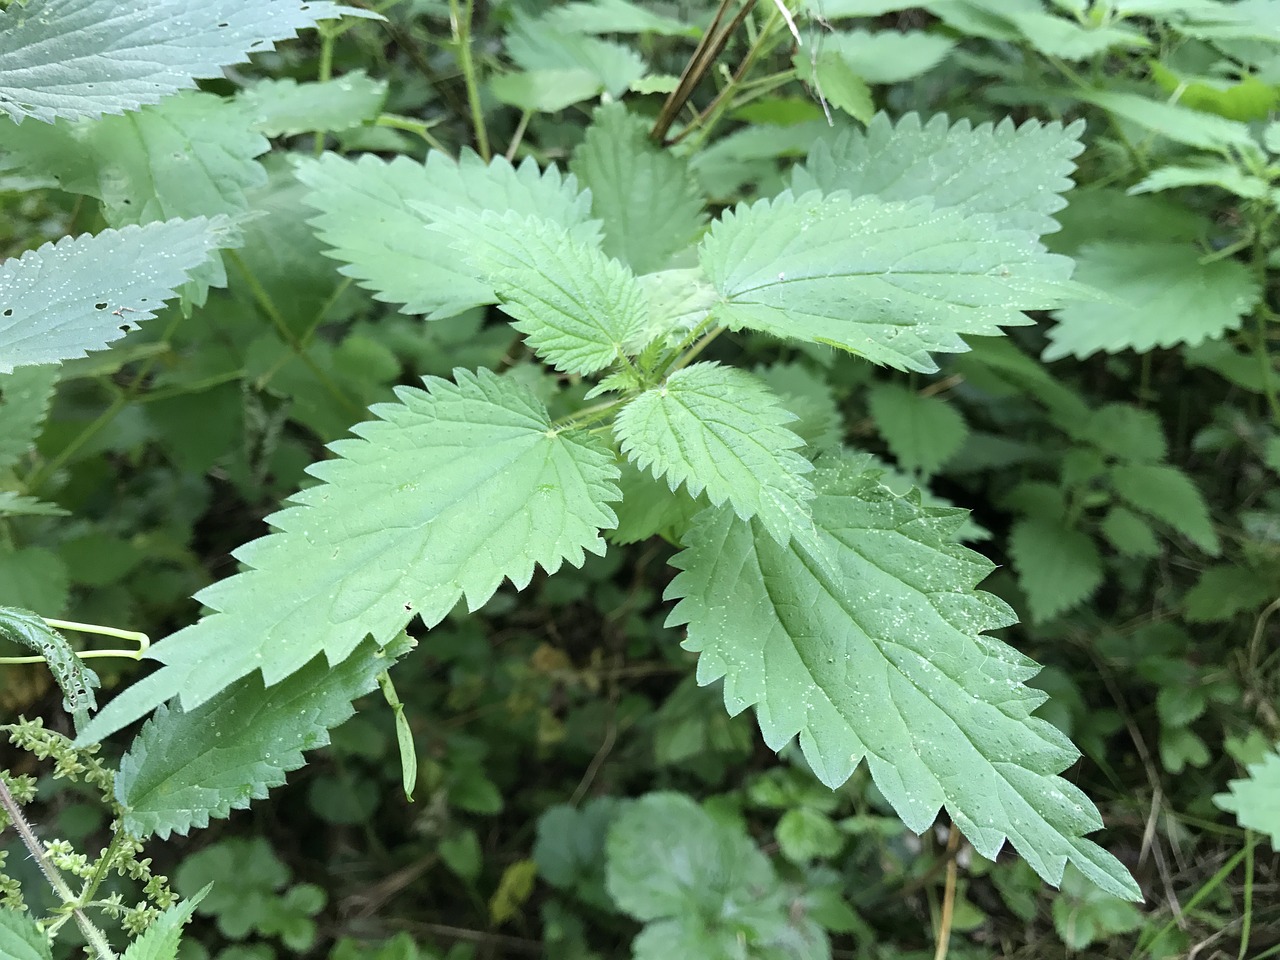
(69, 761)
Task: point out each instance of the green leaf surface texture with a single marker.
(1058, 567)
(76, 681)
(1174, 121)
(922, 432)
(539, 44)
(160, 941)
(284, 108)
(1161, 296)
(1166, 493)
(1014, 173)
(16, 505)
(82, 293)
(886, 659)
(176, 777)
(25, 396)
(577, 307)
(888, 56)
(1255, 799)
(889, 281)
(375, 214)
(717, 429)
(20, 938)
(84, 58)
(450, 491)
(643, 195)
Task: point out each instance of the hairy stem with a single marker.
(460, 21)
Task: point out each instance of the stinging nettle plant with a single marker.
(847, 616)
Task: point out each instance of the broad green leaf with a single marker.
(542, 44)
(450, 491)
(1161, 296)
(644, 195)
(888, 56)
(1129, 533)
(1083, 914)
(76, 681)
(615, 16)
(283, 107)
(1056, 36)
(1178, 123)
(1227, 176)
(1228, 589)
(34, 578)
(887, 659)
(85, 292)
(15, 505)
(576, 306)
(569, 849)
(160, 940)
(20, 938)
(368, 217)
(175, 777)
(649, 508)
(25, 395)
(1058, 566)
(1126, 432)
(832, 79)
(810, 397)
(84, 58)
(718, 429)
(888, 281)
(545, 91)
(1169, 495)
(1255, 799)
(1014, 173)
(921, 432)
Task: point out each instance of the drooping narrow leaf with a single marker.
(25, 396)
(644, 195)
(577, 306)
(448, 492)
(1014, 173)
(176, 777)
(718, 429)
(84, 58)
(367, 214)
(76, 681)
(889, 281)
(886, 658)
(82, 293)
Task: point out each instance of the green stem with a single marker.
(1246, 923)
(409, 125)
(325, 72)
(460, 21)
(586, 415)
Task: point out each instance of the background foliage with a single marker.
(309, 231)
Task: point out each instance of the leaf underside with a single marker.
(86, 58)
(452, 490)
(885, 659)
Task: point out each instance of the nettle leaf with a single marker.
(1161, 296)
(888, 281)
(20, 938)
(541, 44)
(1169, 495)
(450, 491)
(922, 432)
(576, 306)
(16, 505)
(284, 108)
(888, 56)
(84, 58)
(76, 681)
(160, 941)
(82, 293)
(886, 658)
(1255, 799)
(644, 196)
(1129, 533)
(375, 214)
(1058, 566)
(650, 508)
(176, 777)
(1014, 173)
(1174, 121)
(718, 429)
(25, 396)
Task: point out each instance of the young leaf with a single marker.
(1162, 295)
(922, 432)
(644, 195)
(84, 58)
(1169, 495)
(160, 940)
(718, 429)
(367, 215)
(448, 492)
(1180, 124)
(888, 281)
(887, 660)
(76, 681)
(25, 395)
(577, 306)
(284, 108)
(20, 938)
(15, 505)
(1255, 799)
(1058, 566)
(176, 777)
(82, 293)
(541, 45)
(1014, 173)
